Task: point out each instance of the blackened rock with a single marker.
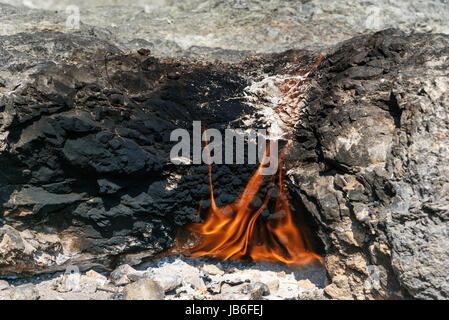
(368, 162)
(85, 148)
(174, 75)
(108, 187)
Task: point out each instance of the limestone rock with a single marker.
(167, 281)
(98, 278)
(25, 292)
(4, 285)
(374, 161)
(125, 274)
(212, 269)
(339, 289)
(225, 30)
(144, 289)
(256, 290)
(85, 136)
(306, 284)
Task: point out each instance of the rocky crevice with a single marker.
(84, 154)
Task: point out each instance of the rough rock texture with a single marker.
(223, 29)
(85, 142)
(373, 143)
(144, 289)
(176, 278)
(85, 176)
(25, 292)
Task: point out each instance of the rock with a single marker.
(214, 287)
(4, 285)
(227, 30)
(195, 281)
(178, 271)
(107, 288)
(306, 284)
(362, 148)
(144, 52)
(339, 289)
(229, 292)
(24, 292)
(115, 209)
(246, 291)
(234, 279)
(256, 290)
(212, 269)
(124, 275)
(87, 144)
(312, 295)
(100, 279)
(69, 282)
(174, 75)
(262, 287)
(143, 289)
(273, 284)
(168, 282)
(13, 247)
(108, 187)
(89, 287)
(288, 291)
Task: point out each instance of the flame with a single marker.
(237, 230)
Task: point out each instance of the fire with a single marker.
(237, 230)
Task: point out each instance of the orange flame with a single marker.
(237, 230)
(232, 231)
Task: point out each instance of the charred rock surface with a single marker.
(85, 141)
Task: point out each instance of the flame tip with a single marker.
(230, 232)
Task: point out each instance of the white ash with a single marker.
(183, 278)
(278, 110)
(208, 279)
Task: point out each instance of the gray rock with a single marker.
(34, 250)
(124, 275)
(131, 146)
(312, 295)
(368, 158)
(225, 29)
(373, 164)
(256, 290)
(172, 274)
(108, 187)
(167, 281)
(144, 289)
(24, 292)
(229, 292)
(212, 269)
